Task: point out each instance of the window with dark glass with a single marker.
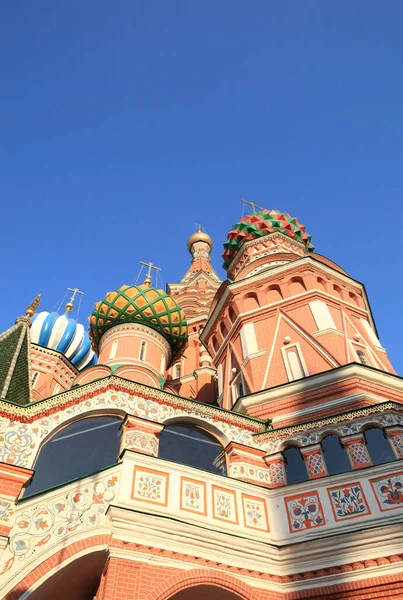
(378, 446)
(85, 446)
(193, 446)
(335, 455)
(294, 464)
(142, 351)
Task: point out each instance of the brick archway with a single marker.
(58, 560)
(194, 577)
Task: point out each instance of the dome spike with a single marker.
(31, 310)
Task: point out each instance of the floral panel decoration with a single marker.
(150, 486)
(255, 513)
(304, 512)
(224, 505)
(388, 491)
(193, 496)
(348, 501)
(39, 523)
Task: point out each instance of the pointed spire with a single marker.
(32, 308)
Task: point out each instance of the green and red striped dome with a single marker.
(259, 224)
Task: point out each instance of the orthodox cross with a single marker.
(70, 304)
(150, 266)
(199, 227)
(252, 204)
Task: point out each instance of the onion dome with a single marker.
(65, 335)
(200, 236)
(259, 224)
(141, 304)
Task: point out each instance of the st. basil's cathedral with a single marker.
(223, 440)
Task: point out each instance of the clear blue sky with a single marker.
(123, 123)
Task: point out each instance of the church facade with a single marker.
(223, 440)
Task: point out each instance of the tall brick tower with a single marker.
(235, 440)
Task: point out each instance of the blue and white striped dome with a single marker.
(65, 335)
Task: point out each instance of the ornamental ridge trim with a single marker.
(345, 428)
(261, 437)
(119, 384)
(55, 354)
(20, 441)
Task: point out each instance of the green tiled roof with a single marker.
(14, 364)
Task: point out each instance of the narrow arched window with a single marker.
(335, 455)
(193, 446)
(142, 355)
(114, 349)
(82, 448)
(378, 446)
(177, 371)
(294, 464)
(231, 314)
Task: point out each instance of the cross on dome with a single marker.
(148, 279)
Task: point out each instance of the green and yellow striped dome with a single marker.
(140, 304)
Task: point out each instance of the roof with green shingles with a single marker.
(15, 385)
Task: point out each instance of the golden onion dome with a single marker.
(200, 236)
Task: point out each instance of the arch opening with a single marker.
(378, 446)
(79, 579)
(294, 464)
(200, 592)
(335, 455)
(82, 447)
(191, 445)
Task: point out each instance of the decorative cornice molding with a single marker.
(321, 380)
(64, 400)
(57, 355)
(313, 425)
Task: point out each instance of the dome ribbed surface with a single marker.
(261, 223)
(141, 304)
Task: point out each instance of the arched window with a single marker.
(177, 371)
(274, 294)
(335, 455)
(85, 446)
(190, 445)
(296, 286)
(378, 446)
(114, 349)
(251, 301)
(295, 468)
(231, 314)
(142, 355)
